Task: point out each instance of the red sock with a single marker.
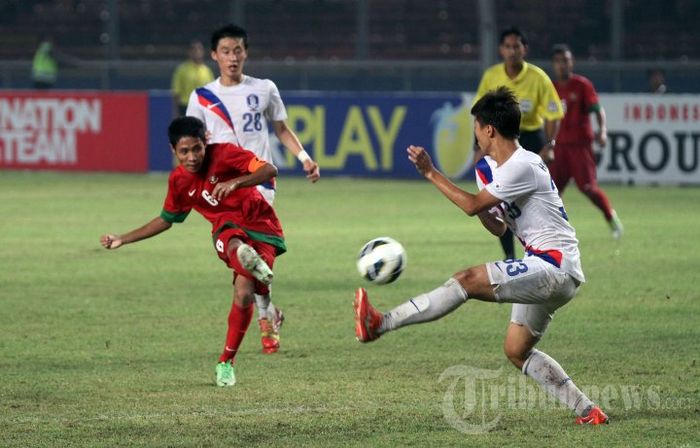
(238, 320)
(601, 201)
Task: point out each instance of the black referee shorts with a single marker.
(533, 141)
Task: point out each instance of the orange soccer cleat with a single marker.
(595, 417)
(367, 319)
(268, 336)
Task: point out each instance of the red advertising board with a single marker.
(74, 131)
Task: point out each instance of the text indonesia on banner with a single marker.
(652, 139)
(74, 131)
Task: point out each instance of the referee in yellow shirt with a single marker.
(188, 76)
(540, 107)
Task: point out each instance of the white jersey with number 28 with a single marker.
(239, 114)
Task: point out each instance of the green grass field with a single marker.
(118, 348)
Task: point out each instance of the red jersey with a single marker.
(579, 99)
(244, 208)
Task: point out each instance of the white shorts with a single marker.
(535, 287)
(267, 193)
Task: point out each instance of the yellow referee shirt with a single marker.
(535, 92)
(187, 77)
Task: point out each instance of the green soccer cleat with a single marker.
(225, 374)
(616, 227)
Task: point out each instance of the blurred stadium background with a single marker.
(379, 45)
(348, 70)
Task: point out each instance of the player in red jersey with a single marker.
(573, 154)
(218, 181)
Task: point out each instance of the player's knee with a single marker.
(244, 296)
(232, 247)
(516, 353)
(468, 277)
(589, 189)
(475, 281)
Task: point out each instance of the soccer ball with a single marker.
(381, 260)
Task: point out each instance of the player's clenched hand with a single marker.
(547, 154)
(602, 137)
(223, 189)
(421, 159)
(313, 172)
(110, 241)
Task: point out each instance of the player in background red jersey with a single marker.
(573, 154)
(218, 181)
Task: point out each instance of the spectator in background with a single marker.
(657, 81)
(539, 103)
(44, 66)
(188, 76)
(573, 155)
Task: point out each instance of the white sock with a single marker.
(549, 374)
(263, 303)
(426, 307)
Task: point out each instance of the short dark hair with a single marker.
(514, 31)
(186, 127)
(560, 49)
(500, 109)
(229, 30)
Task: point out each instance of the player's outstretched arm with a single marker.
(290, 140)
(151, 228)
(471, 204)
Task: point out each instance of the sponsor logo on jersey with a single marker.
(213, 179)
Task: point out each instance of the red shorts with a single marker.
(266, 251)
(573, 160)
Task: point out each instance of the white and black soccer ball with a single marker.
(381, 260)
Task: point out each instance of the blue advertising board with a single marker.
(160, 113)
(367, 135)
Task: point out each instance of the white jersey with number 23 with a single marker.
(532, 208)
